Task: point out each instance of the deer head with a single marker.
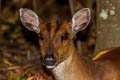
(55, 38)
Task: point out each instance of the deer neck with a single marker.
(75, 67)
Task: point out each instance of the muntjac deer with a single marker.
(60, 54)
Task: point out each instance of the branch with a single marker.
(0, 8)
(71, 6)
(74, 5)
(34, 5)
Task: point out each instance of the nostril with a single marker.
(49, 60)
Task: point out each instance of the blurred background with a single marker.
(19, 48)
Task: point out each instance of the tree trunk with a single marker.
(108, 24)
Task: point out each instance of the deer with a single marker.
(58, 51)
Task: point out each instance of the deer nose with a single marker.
(49, 60)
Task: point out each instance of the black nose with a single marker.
(49, 60)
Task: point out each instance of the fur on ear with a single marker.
(80, 20)
(29, 19)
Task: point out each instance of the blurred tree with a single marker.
(108, 25)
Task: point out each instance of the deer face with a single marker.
(55, 41)
(55, 38)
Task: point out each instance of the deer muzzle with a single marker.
(49, 59)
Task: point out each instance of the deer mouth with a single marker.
(50, 67)
(49, 61)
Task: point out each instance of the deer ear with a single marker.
(29, 19)
(80, 20)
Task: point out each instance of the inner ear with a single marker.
(80, 20)
(29, 19)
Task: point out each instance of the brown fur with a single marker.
(58, 47)
(56, 39)
(106, 67)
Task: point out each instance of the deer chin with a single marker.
(50, 67)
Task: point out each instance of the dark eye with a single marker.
(64, 36)
(41, 37)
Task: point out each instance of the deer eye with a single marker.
(41, 37)
(64, 36)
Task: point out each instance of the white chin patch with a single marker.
(50, 67)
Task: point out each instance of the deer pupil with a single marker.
(41, 37)
(64, 36)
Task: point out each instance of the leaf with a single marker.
(30, 78)
(7, 62)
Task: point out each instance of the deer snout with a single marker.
(49, 61)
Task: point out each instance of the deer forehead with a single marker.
(55, 27)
